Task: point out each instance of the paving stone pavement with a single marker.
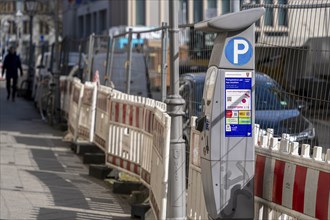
(40, 177)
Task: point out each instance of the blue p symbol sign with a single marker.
(238, 51)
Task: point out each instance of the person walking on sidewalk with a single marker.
(11, 64)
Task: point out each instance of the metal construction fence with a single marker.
(292, 64)
(292, 86)
(130, 56)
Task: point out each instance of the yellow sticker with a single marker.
(244, 114)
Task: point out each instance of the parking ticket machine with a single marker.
(227, 137)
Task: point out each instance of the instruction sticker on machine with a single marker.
(238, 99)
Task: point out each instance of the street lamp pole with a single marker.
(31, 8)
(177, 173)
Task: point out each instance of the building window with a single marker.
(12, 27)
(257, 22)
(212, 3)
(283, 13)
(269, 21)
(211, 10)
(81, 26)
(140, 12)
(88, 24)
(183, 12)
(26, 27)
(7, 7)
(94, 23)
(225, 7)
(103, 19)
(198, 10)
(43, 28)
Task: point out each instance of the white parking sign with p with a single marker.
(238, 51)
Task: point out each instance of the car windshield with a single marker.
(269, 96)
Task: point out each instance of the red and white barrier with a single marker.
(196, 208)
(139, 135)
(74, 107)
(286, 184)
(86, 120)
(102, 117)
(134, 132)
(296, 182)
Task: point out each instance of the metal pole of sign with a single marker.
(109, 39)
(90, 58)
(80, 59)
(164, 59)
(176, 206)
(129, 62)
(113, 42)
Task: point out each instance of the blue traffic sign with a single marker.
(238, 51)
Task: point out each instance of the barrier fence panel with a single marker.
(86, 120)
(66, 90)
(102, 117)
(74, 109)
(196, 208)
(160, 162)
(126, 131)
(287, 184)
(138, 143)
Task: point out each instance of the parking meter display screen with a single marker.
(238, 104)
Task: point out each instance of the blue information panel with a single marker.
(238, 103)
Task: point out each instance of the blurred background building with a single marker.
(14, 20)
(83, 17)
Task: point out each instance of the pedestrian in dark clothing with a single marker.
(11, 64)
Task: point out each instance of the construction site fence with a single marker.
(132, 131)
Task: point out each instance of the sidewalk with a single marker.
(40, 177)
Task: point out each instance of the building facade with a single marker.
(98, 16)
(15, 25)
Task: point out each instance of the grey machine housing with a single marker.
(227, 162)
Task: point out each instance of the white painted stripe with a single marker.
(96, 212)
(288, 184)
(312, 177)
(268, 179)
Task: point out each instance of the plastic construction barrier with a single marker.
(139, 139)
(74, 107)
(134, 132)
(284, 178)
(86, 120)
(286, 184)
(66, 91)
(102, 116)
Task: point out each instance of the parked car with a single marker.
(274, 107)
